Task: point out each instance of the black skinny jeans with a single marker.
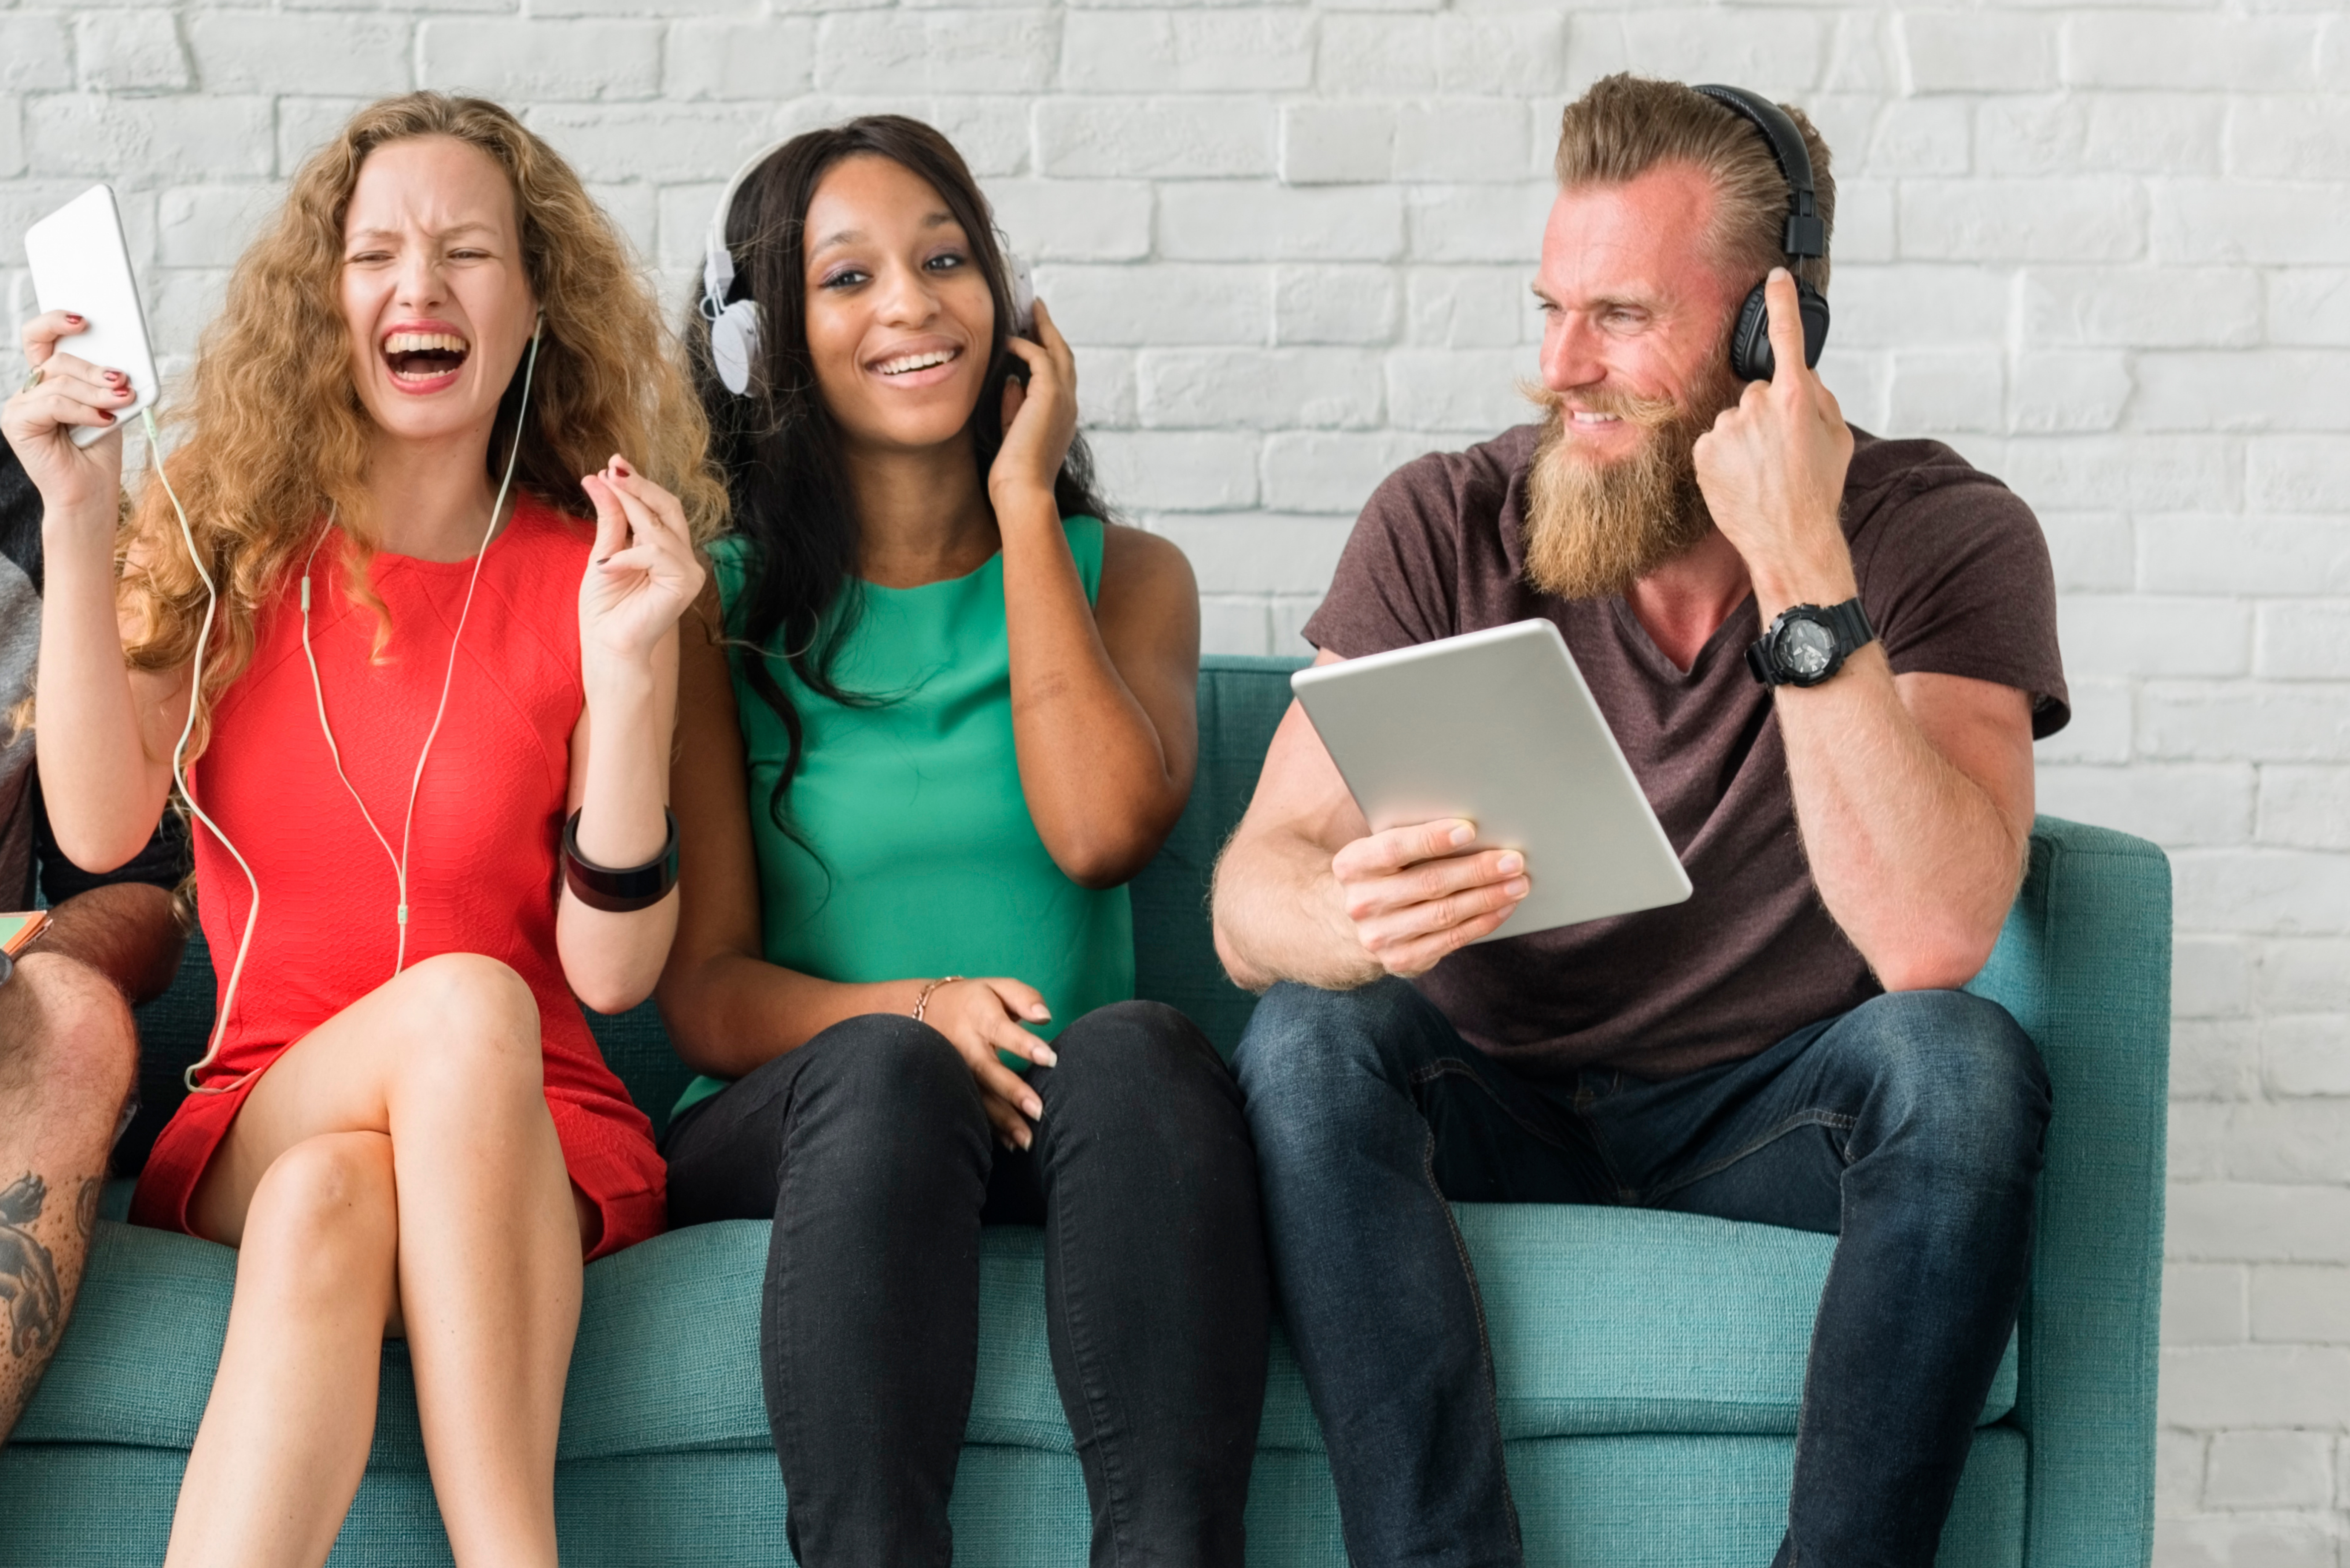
(868, 1147)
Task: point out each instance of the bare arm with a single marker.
(1915, 796)
(642, 575)
(1306, 892)
(104, 734)
(127, 931)
(1914, 793)
(728, 1010)
(1104, 698)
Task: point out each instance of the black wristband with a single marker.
(619, 892)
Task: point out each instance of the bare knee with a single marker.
(67, 1037)
(473, 1025)
(323, 1228)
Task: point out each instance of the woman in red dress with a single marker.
(429, 728)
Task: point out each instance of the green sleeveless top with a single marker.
(921, 858)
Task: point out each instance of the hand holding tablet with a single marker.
(1494, 730)
(1416, 894)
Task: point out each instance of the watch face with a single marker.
(1805, 648)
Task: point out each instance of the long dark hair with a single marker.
(779, 447)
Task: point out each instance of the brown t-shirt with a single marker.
(1954, 575)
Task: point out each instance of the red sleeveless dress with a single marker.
(482, 868)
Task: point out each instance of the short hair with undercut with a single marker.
(1626, 125)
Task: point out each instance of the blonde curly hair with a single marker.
(276, 432)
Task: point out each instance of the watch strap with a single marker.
(1850, 624)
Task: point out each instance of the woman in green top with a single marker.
(953, 714)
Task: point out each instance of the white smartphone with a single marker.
(80, 264)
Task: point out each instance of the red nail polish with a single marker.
(74, 319)
(105, 416)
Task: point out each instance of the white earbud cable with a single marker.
(448, 678)
(318, 692)
(204, 639)
(178, 767)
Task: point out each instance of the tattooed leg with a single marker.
(68, 1055)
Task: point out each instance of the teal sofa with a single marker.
(1650, 1364)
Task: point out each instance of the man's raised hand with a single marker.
(1773, 471)
(1414, 896)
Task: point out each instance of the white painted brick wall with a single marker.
(2102, 248)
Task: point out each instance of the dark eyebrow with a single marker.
(850, 236)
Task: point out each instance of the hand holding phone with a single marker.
(1040, 415)
(92, 367)
(81, 267)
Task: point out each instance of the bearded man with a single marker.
(1789, 1044)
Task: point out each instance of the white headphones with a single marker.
(734, 324)
(317, 691)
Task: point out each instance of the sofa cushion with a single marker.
(1604, 1320)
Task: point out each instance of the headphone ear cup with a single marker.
(1815, 305)
(1750, 359)
(1751, 355)
(735, 345)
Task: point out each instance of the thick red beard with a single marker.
(1594, 529)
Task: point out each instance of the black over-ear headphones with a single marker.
(1805, 235)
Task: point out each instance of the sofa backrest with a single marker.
(1241, 701)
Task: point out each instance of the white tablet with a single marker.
(79, 263)
(1498, 727)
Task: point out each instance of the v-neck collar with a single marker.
(1644, 648)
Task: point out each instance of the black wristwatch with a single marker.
(1807, 644)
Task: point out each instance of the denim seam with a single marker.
(1114, 1488)
(1584, 1101)
(1801, 1119)
(788, 1117)
(1484, 1339)
(1428, 1074)
(1449, 1064)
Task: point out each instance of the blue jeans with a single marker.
(1911, 1127)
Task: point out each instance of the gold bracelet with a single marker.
(922, 1001)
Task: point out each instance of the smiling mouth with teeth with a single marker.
(906, 364)
(422, 356)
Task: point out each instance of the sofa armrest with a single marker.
(2085, 967)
